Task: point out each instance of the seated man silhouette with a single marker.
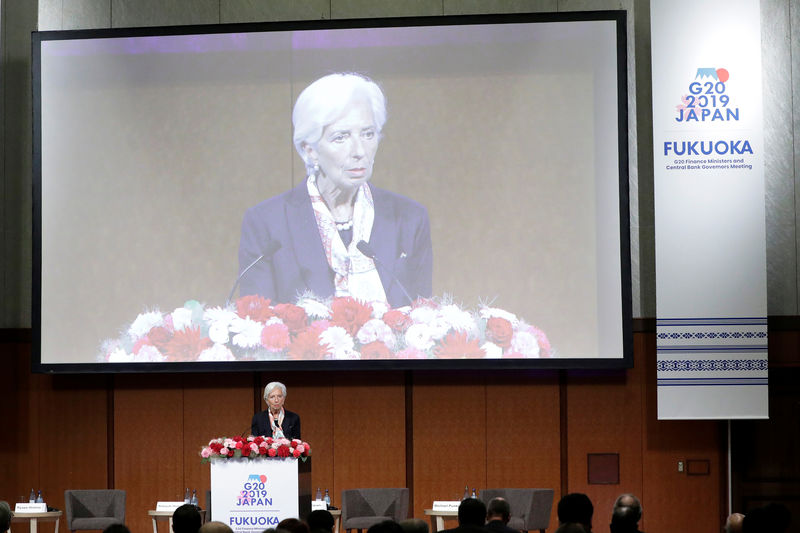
(498, 513)
(471, 517)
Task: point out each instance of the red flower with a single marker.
(271, 452)
(293, 316)
(186, 344)
(159, 337)
(215, 446)
(258, 440)
(350, 314)
(275, 337)
(499, 331)
(254, 306)
(296, 453)
(239, 445)
(306, 346)
(375, 350)
(245, 450)
(283, 451)
(456, 344)
(397, 320)
(262, 450)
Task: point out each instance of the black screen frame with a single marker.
(626, 361)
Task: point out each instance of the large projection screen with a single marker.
(151, 144)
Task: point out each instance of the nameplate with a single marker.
(446, 505)
(319, 505)
(30, 508)
(168, 506)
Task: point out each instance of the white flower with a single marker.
(119, 355)
(458, 319)
(218, 352)
(247, 332)
(420, 336)
(376, 330)
(229, 443)
(379, 308)
(149, 354)
(314, 308)
(492, 350)
(423, 315)
(218, 333)
(219, 314)
(339, 341)
(144, 323)
(181, 318)
(218, 320)
(525, 343)
(491, 312)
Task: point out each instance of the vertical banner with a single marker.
(711, 285)
(253, 495)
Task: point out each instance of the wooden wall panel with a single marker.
(669, 441)
(214, 405)
(522, 432)
(310, 394)
(149, 444)
(604, 415)
(74, 415)
(368, 431)
(449, 436)
(19, 455)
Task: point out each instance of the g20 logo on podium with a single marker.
(254, 492)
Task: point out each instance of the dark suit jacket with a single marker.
(291, 424)
(498, 526)
(400, 238)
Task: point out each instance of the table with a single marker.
(337, 516)
(437, 518)
(35, 518)
(166, 516)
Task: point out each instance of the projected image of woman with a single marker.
(336, 233)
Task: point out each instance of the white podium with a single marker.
(253, 495)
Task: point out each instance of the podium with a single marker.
(253, 495)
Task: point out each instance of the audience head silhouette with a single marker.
(472, 512)
(498, 509)
(186, 519)
(576, 508)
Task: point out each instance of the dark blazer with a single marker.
(400, 238)
(498, 526)
(291, 424)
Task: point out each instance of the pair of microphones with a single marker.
(274, 246)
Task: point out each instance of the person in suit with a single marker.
(626, 513)
(186, 519)
(498, 513)
(312, 237)
(275, 421)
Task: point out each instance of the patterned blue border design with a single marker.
(711, 365)
(714, 335)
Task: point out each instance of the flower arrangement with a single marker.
(254, 448)
(338, 328)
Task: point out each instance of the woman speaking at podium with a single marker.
(334, 234)
(275, 421)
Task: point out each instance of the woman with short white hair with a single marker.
(335, 234)
(275, 421)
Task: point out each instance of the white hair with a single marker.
(325, 100)
(274, 385)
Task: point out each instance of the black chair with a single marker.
(363, 508)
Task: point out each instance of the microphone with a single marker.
(269, 250)
(366, 249)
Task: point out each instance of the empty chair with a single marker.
(94, 509)
(530, 508)
(363, 508)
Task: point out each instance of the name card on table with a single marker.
(30, 508)
(319, 505)
(446, 505)
(168, 506)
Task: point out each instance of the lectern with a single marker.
(251, 495)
